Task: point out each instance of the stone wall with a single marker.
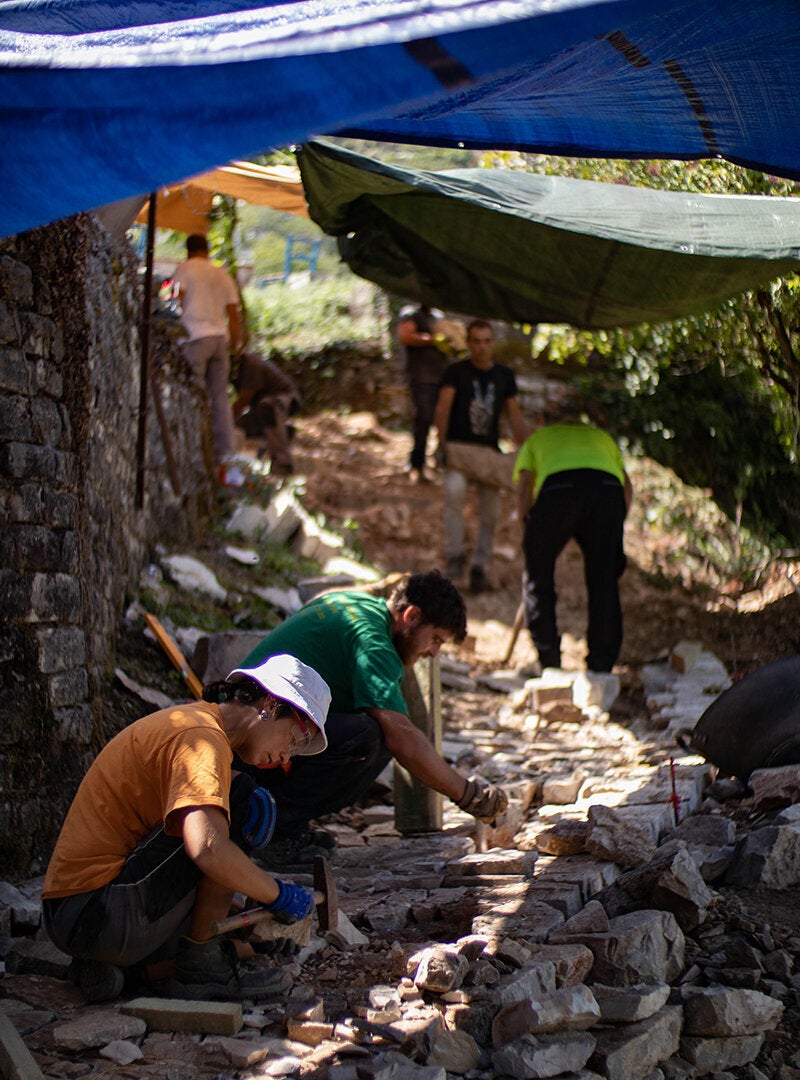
(71, 539)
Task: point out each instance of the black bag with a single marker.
(755, 724)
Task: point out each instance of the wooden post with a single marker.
(418, 808)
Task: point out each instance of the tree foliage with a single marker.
(716, 396)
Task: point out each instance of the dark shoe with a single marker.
(478, 582)
(321, 838)
(289, 853)
(455, 567)
(97, 981)
(211, 971)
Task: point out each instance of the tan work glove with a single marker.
(486, 802)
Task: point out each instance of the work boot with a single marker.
(289, 853)
(455, 566)
(97, 981)
(212, 971)
(478, 582)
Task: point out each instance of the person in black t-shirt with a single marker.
(474, 394)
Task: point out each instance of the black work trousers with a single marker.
(424, 397)
(588, 506)
(324, 783)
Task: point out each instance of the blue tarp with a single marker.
(99, 100)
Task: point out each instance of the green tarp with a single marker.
(522, 247)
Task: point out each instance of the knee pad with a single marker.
(253, 814)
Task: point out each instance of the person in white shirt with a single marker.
(210, 303)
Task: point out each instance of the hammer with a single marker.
(324, 894)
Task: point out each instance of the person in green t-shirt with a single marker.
(361, 645)
(572, 484)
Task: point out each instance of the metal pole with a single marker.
(144, 365)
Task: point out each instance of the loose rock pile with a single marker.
(592, 939)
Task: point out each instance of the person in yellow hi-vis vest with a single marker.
(572, 484)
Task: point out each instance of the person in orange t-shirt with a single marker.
(158, 837)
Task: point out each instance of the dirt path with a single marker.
(356, 475)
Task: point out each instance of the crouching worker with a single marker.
(159, 835)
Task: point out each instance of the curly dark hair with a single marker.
(238, 688)
(437, 598)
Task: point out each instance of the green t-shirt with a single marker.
(347, 638)
(559, 447)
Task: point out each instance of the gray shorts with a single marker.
(146, 907)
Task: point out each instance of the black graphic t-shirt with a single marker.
(479, 400)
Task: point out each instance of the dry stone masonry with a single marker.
(72, 540)
(632, 962)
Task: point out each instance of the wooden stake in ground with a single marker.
(418, 808)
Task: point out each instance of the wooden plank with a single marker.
(482, 463)
(177, 659)
(16, 1061)
(197, 1017)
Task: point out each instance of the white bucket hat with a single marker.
(292, 681)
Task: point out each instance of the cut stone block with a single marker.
(563, 838)
(589, 874)
(775, 788)
(641, 947)
(592, 919)
(629, 1004)
(26, 915)
(215, 656)
(572, 962)
(561, 790)
(530, 921)
(769, 856)
(495, 862)
(565, 898)
(173, 1014)
(571, 1009)
(455, 1051)
(684, 656)
(670, 881)
(614, 836)
(544, 1055)
(243, 1053)
(440, 969)
(724, 1011)
(715, 1055)
(595, 688)
(535, 980)
(97, 1029)
(542, 695)
(633, 1051)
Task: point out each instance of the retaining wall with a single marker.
(71, 539)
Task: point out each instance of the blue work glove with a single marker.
(293, 903)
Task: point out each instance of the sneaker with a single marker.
(211, 971)
(455, 566)
(289, 853)
(231, 476)
(97, 981)
(478, 582)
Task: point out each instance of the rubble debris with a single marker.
(194, 576)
